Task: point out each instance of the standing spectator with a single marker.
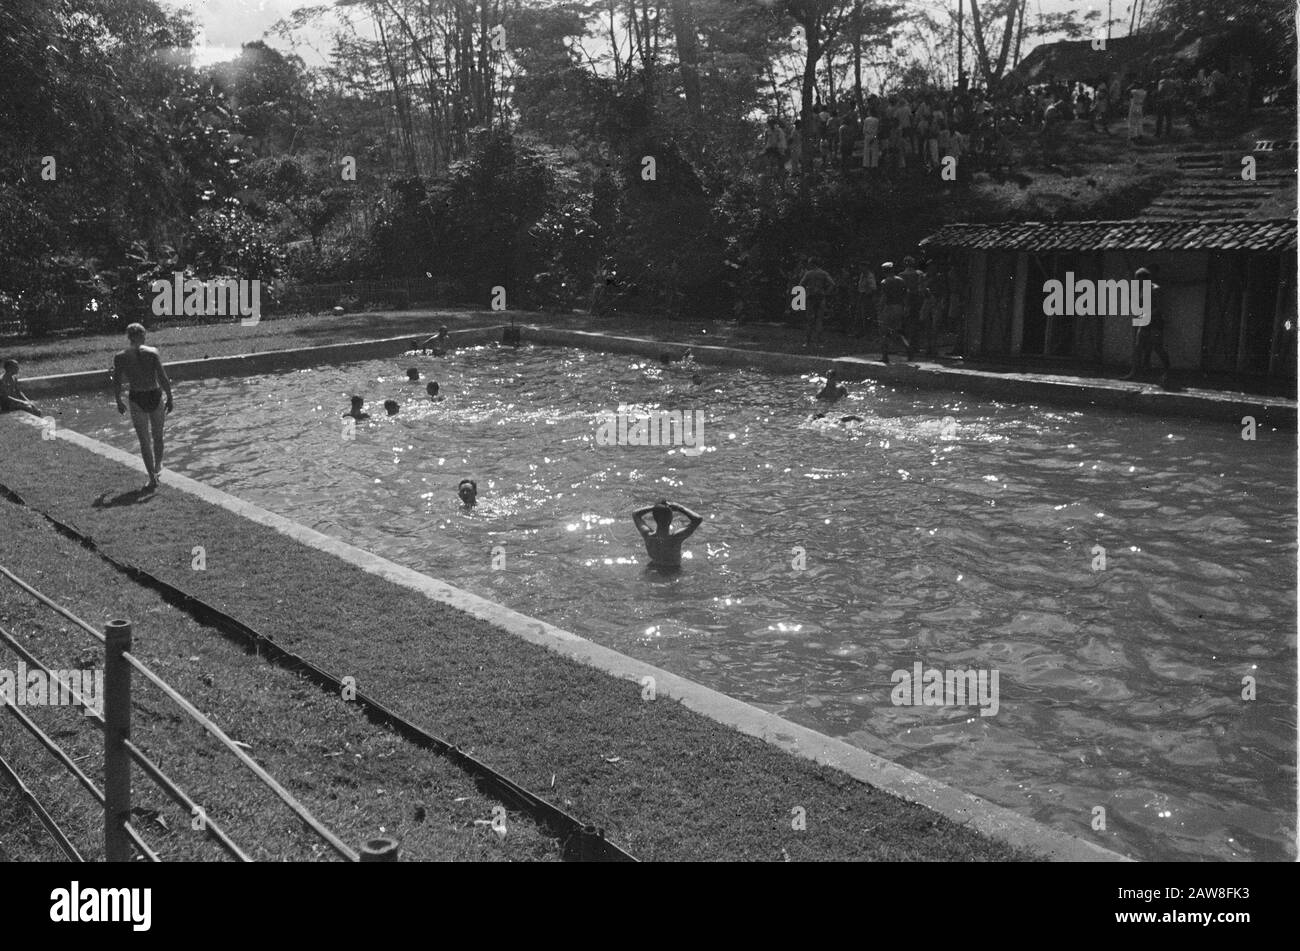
(871, 139)
(1168, 92)
(1082, 104)
(887, 137)
(911, 279)
(817, 285)
(830, 145)
(848, 138)
(903, 120)
(1137, 97)
(957, 149)
(1102, 108)
(774, 147)
(928, 133)
(796, 148)
(891, 308)
(866, 300)
(934, 305)
(1150, 338)
(956, 318)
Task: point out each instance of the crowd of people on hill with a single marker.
(918, 131)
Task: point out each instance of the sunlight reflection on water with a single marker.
(934, 528)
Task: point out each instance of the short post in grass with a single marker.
(117, 730)
(379, 850)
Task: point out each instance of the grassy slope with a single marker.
(683, 787)
(358, 778)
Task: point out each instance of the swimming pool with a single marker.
(937, 530)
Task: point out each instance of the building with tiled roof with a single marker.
(1227, 289)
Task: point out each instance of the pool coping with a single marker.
(1014, 386)
(994, 821)
(1137, 398)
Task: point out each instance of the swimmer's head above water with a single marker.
(391, 406)
(432, 388)
(413, 374)
(468, 491)
(662, 514)
(355, 412)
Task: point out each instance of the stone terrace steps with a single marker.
(1211, 185)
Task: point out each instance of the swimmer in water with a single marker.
(833, 390)
(440, 339)
(355, 411)
(432, 390)
(391, 407)
(468, 492)
(664, 545)
(413, 374)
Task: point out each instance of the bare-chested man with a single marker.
(141, 368)
(664, 545)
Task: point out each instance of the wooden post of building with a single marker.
(117, 730)
(1279, 319)
(1247, 268)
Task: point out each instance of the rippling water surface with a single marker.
(967, 545)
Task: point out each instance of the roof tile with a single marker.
(1277, 234)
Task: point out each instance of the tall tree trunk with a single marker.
(961, 65)
(688, 55)
(857, 53)
(813, 40)
(1020, 35)
(992, 72)
(399, 103)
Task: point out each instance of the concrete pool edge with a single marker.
(1017, 387)
(1065, 390)
(244, 364)
(994, 821)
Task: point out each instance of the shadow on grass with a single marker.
(130, 497)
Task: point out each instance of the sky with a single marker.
(226, 24)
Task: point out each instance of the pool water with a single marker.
(938, 530)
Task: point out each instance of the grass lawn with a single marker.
(666, 783)
(361, 780)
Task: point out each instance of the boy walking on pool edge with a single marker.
(142, 368)
(664, 545)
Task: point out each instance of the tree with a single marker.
(992, 70)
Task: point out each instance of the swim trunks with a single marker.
(147, 400)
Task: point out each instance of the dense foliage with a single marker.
(543, 146)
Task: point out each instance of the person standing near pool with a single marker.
(664, 545)
(141, 368)
(892, 307)
(817, 285)
(1150, 338)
